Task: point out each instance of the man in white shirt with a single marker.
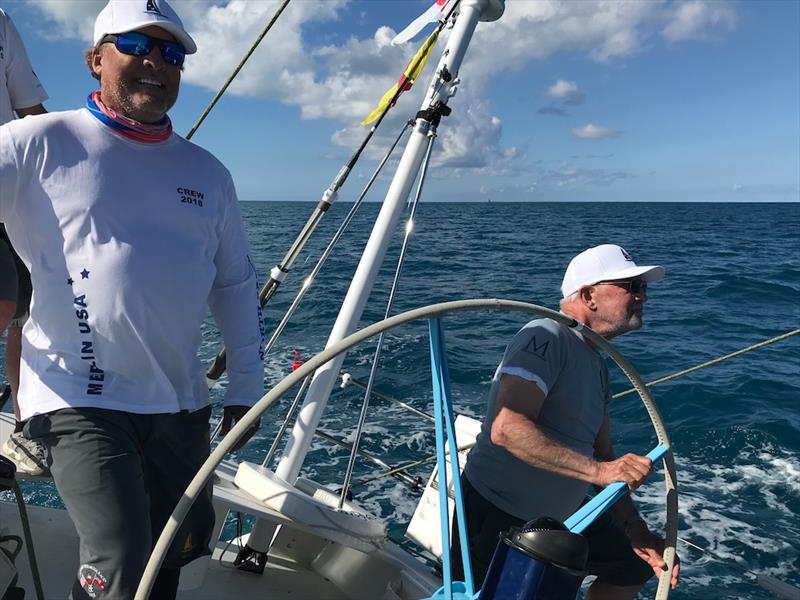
(130, 233)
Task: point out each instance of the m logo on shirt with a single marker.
(537, 349)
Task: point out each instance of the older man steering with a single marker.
(130, 233)
(546, 436)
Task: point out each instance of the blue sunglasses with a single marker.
(139, 44)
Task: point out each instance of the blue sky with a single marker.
(559, 101)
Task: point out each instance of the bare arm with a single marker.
(514, 428)
(7, 308)
(647, 545)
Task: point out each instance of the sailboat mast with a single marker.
(439, 91)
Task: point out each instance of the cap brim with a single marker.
(648, 274)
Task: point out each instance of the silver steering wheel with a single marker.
(427, 312)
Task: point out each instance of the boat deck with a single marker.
(56, 545)
(303, 563)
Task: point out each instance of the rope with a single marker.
(236, 70)
(713, 362)
(407, 466)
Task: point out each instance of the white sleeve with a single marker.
(9, 171)
(24, 88)
(234, 304)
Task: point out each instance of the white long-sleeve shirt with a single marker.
(127, 244)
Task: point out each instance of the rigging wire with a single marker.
(285, 425)
(389, 304)
(238, 68)
(308, 281)
(279, 272)
(348, 379)
(772, 584)
(307, 285)
(769, 583)
(406, 467)
(390, 398)
(715, 361)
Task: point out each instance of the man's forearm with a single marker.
(529, 444)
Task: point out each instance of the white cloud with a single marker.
(562, 89)
(594, 132)
(737, 187)
(567, 92)
(342, 80)
(692, 20)
(73, 19)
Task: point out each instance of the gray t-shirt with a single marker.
(574, 378)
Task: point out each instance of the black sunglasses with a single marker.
(139, 44)
(634, 286)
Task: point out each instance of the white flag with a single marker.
(433, 14)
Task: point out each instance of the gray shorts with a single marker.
(120, 476)
(611, 557)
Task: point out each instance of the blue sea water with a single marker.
(733, 279)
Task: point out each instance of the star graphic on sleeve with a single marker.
(85, 274)
(70, 281)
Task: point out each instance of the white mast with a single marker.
(441, 88)
(471, 11)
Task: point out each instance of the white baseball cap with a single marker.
(608, 262)
(122, 16)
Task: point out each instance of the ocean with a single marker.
(733, 280)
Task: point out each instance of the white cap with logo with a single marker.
(608, 262)
(122, 16)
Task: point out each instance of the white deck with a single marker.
(302, 563)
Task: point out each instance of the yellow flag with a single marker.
(412, 71)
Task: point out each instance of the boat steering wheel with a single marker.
(427, 312)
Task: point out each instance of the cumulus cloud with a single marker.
(694, 19)
(594, 132)
(341, 78)
(567, 92)
(69, 19)
(562, 89)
